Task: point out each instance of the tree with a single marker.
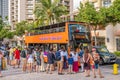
(24, 25)
(49, 11)
(21, 27)
(88, 14)
(1, 23)
(114, 13)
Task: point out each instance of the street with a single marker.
(17, 74)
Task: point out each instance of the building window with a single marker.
(30, 11)
(106, 3)
(118, 44)
(30, 16)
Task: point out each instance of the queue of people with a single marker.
(33, 60)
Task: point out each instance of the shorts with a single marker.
(0, 68)
(30, 60)
(96, 66)
(70, 66)
(11, 57)
(59, 64)
(38, 62)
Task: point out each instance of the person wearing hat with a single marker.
(96, 59)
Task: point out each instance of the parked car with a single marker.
(105, 55)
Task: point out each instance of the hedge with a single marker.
(117, 53)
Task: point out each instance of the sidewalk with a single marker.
(17, 74)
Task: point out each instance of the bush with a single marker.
(117, 53)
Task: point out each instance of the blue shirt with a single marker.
(81, 53)
(70, 60)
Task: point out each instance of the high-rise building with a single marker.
(4, 9)
(99, 3)
(20, 10)
(66, 3)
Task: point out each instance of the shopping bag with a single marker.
(3, 64)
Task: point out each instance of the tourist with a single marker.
(75, 63)
(24, 59)
(81, 59)
(38, 60)
(42, 68)
(70, 64)
(96, 59)
(51, 59)
(30, 60)
(86, 59)
(1, 55)
(11, 55)
(17, 57)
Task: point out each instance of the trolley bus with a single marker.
(60, 34)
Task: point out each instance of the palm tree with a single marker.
(49, 10)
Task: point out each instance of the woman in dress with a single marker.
(42, 68)
(86, 59)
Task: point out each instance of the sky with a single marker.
(76, 3)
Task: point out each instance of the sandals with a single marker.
(87, 76)
(1, 76)
(94, 76)
(101, 76)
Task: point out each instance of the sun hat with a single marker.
(93, 49)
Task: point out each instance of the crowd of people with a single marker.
(37, 60)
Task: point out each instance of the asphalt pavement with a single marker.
(17, 74)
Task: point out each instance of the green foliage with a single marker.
(22, 26)
(117, 53)
(4, 33)
(87, 13)
(114, 13)
(1, 23)
(49, 11)
(104, 16)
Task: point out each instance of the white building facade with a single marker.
(113, 37)
(20, 10)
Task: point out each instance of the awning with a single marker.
(117, 33)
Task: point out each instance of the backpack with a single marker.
(58, 56)
(23, 54)
(81, 53)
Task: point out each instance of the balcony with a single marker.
(29, 7)
(29, 13)
(29, 2)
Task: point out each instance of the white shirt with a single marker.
(63, 53)
(75, 57)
